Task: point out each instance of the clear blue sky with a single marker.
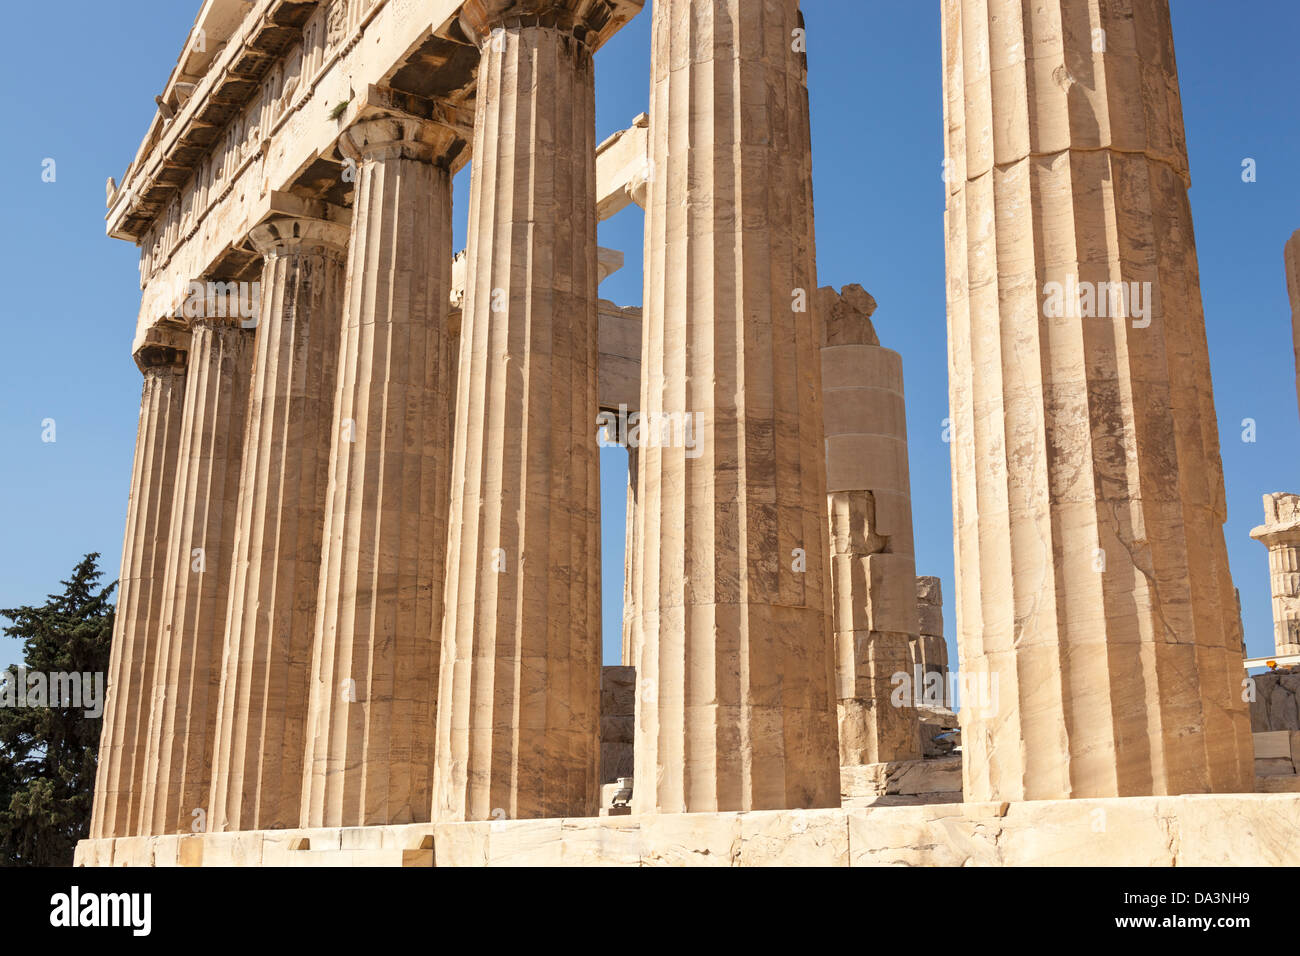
(79, 85)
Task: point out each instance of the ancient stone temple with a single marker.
(360, 618)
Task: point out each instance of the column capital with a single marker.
(396, 137)
(1281, 527)
(214, 321)
(1278, 535)
(287, 236)
(638, 187)
(222, 323)
(218, 303)
(590, 21)
(163, 348)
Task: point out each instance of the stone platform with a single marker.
(1203, 830)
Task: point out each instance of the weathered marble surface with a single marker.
(518, 721)
(869, 500)
(183, 714)
(1277, 701)
(913, 778)
(1200, 830)
(257, 752)
(930, 649)
(1092, 576)
(731, 628)
(374, 662)
(138, 628)
(617, 719)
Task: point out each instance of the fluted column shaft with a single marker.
(627, 656)
(732, 634)
(120, 771)
(519, 703)
(375, 656)
(1284, 577)
(266, 663)
(1094, 598)
(200, 551)
(1280, 533)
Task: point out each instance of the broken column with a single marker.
(939, 724)
(369, 756)
(201, 546)
(873, 573)
(138, 623)
(731, 634)
(258, 757)
(519, 701)
(930, 649)
(1093, 591)
(1280, 533)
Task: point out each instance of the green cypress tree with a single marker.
(48, 752)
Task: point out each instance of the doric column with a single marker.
(119, 775)
(1280, 533)
(375, 659)
(1094, 599)
(627, 656)
(519, 702)
(873, 572)
(732, 633)
(265, 680)
(1292, 259)
(200, 552)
